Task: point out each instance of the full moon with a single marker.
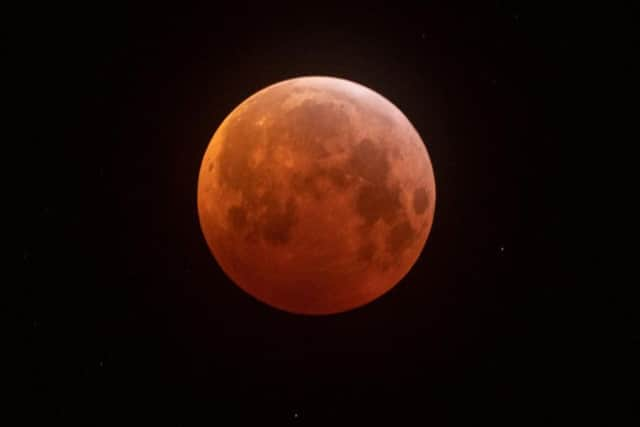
(316, 195)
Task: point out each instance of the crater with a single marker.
(374, 203)
(305, 128)
(304, 183)
(338, 177)
(420, 200)
(400, 237)
(315, 182)
(276, 224)
(237, 217)
(366, 252)
(375, 199)
(369, 162)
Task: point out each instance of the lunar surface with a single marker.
(316, 195)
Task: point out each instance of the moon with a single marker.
(316, 195)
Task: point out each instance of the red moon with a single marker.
(316, 195)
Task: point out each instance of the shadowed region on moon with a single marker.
(367, 251)
(316, 181)
(306, 126)
(420, 200)
(375, 199)
(316, 195)
(401, 236)
(238, 217)
(277, 222)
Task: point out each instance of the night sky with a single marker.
(130, 319)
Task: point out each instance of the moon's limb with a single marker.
(316, 195)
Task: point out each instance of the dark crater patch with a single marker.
(369, 162)
(306, 127)
(420, 200)
(375, 200)
(338, 177)
(374, 203)
(366, 251)
(237, 217)
(276, 224)
(310, 182)
(400, 237)
(305, 183)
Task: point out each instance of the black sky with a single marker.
(131, 320)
